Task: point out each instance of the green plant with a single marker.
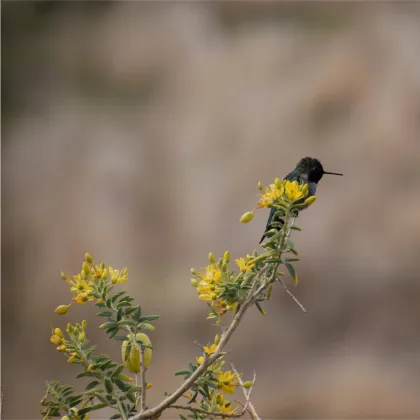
(206, 381)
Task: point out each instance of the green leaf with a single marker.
(119, 314)
(182, 372)
(95, 391)
(146, 326)
(296, 228)
(193, 398)
(131, 397)
(108, 325)
(134, 388)
(149, 318)
(121, 385)
(104, 313)
(260, 308)
(85, 410)
(89, 374)
(91, 385)
(100, 358)
(292, 259)
(126, 299)
(112, 332)
(115, 416)
(121, 304)
(101, 398)
(117, 295)
(105, 365)
(137, 313)
(72, 401)
(129, 322)
(292, 272)
(108, 386)
(120, 337)
(117, 371)
(127, 350)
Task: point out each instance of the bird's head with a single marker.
(313, 169)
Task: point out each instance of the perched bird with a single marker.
(308, 170)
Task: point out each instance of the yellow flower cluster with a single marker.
(271, 194)
(210, 283)
(83, 283)
(77, 336)
(244, 265)
(227, 381)
(290, 190)
(223, 405)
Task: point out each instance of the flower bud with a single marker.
(102, 265)
(217, 339)
(248, 384)
(58, 332)
(104, 273)
(212, 259)
(84, 323)
(305, 189)
(88, 258)
(278, 183)
(62, 309)
(194, 283)
(247, 217)
(193, 271)
(63, 276)
(85, 268)
(226, 256)
(55, 339)
(219, 398)
(149, 385)
(61, 348)
(82, 336)
(310, 200)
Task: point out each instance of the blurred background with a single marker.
(138, 132)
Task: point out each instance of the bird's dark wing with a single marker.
(292, 176)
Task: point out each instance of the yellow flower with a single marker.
(210, 350)
(227, 382)
(81, 298)
(243, 266)
(61, 348)
(79, 285)
(272, 193)
(292, 190)
(211, 275)
(200, 360)
(117, 276)
(72, 358)
(223, 405)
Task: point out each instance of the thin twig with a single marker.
(143, 370)
(248, 404)
(292, 296)
(208, 413)
(155, 411)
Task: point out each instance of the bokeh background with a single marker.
(138, 132)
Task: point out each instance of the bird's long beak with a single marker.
(332, 173)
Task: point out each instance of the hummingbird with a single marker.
(308, 170)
